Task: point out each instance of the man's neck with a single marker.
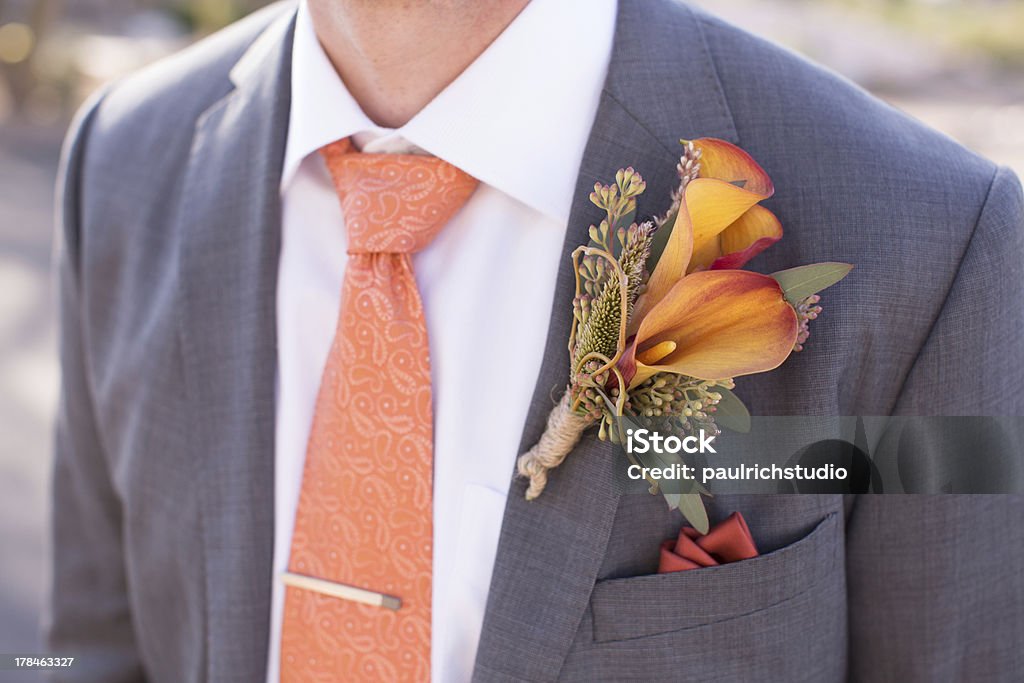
(395, 56)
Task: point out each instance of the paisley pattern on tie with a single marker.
(366, 504)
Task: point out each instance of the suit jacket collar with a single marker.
(230, 218)
(661, 86)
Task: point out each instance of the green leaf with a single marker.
(799, 283)
(692, 507)
(730, 413)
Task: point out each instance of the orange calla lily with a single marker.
(725, 161)
(747, 234)
(700, 316)
(752, 233)
(713, 325)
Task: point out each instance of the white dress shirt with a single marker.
(517, 120)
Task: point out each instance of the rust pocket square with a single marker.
(727, 541)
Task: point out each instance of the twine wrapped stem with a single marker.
(563, 432)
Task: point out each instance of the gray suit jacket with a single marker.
(164, 475)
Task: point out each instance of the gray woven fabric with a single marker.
(163, 485)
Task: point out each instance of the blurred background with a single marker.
(958, 65)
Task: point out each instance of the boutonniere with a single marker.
(663, 317)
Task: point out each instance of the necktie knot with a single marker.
(394, 203)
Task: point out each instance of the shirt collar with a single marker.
(518, 118)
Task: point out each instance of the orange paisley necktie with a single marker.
(365, 515)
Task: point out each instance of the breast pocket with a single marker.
(780, 616)
(659, 603)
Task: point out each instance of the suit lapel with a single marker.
(550, 550)
(230, 216)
